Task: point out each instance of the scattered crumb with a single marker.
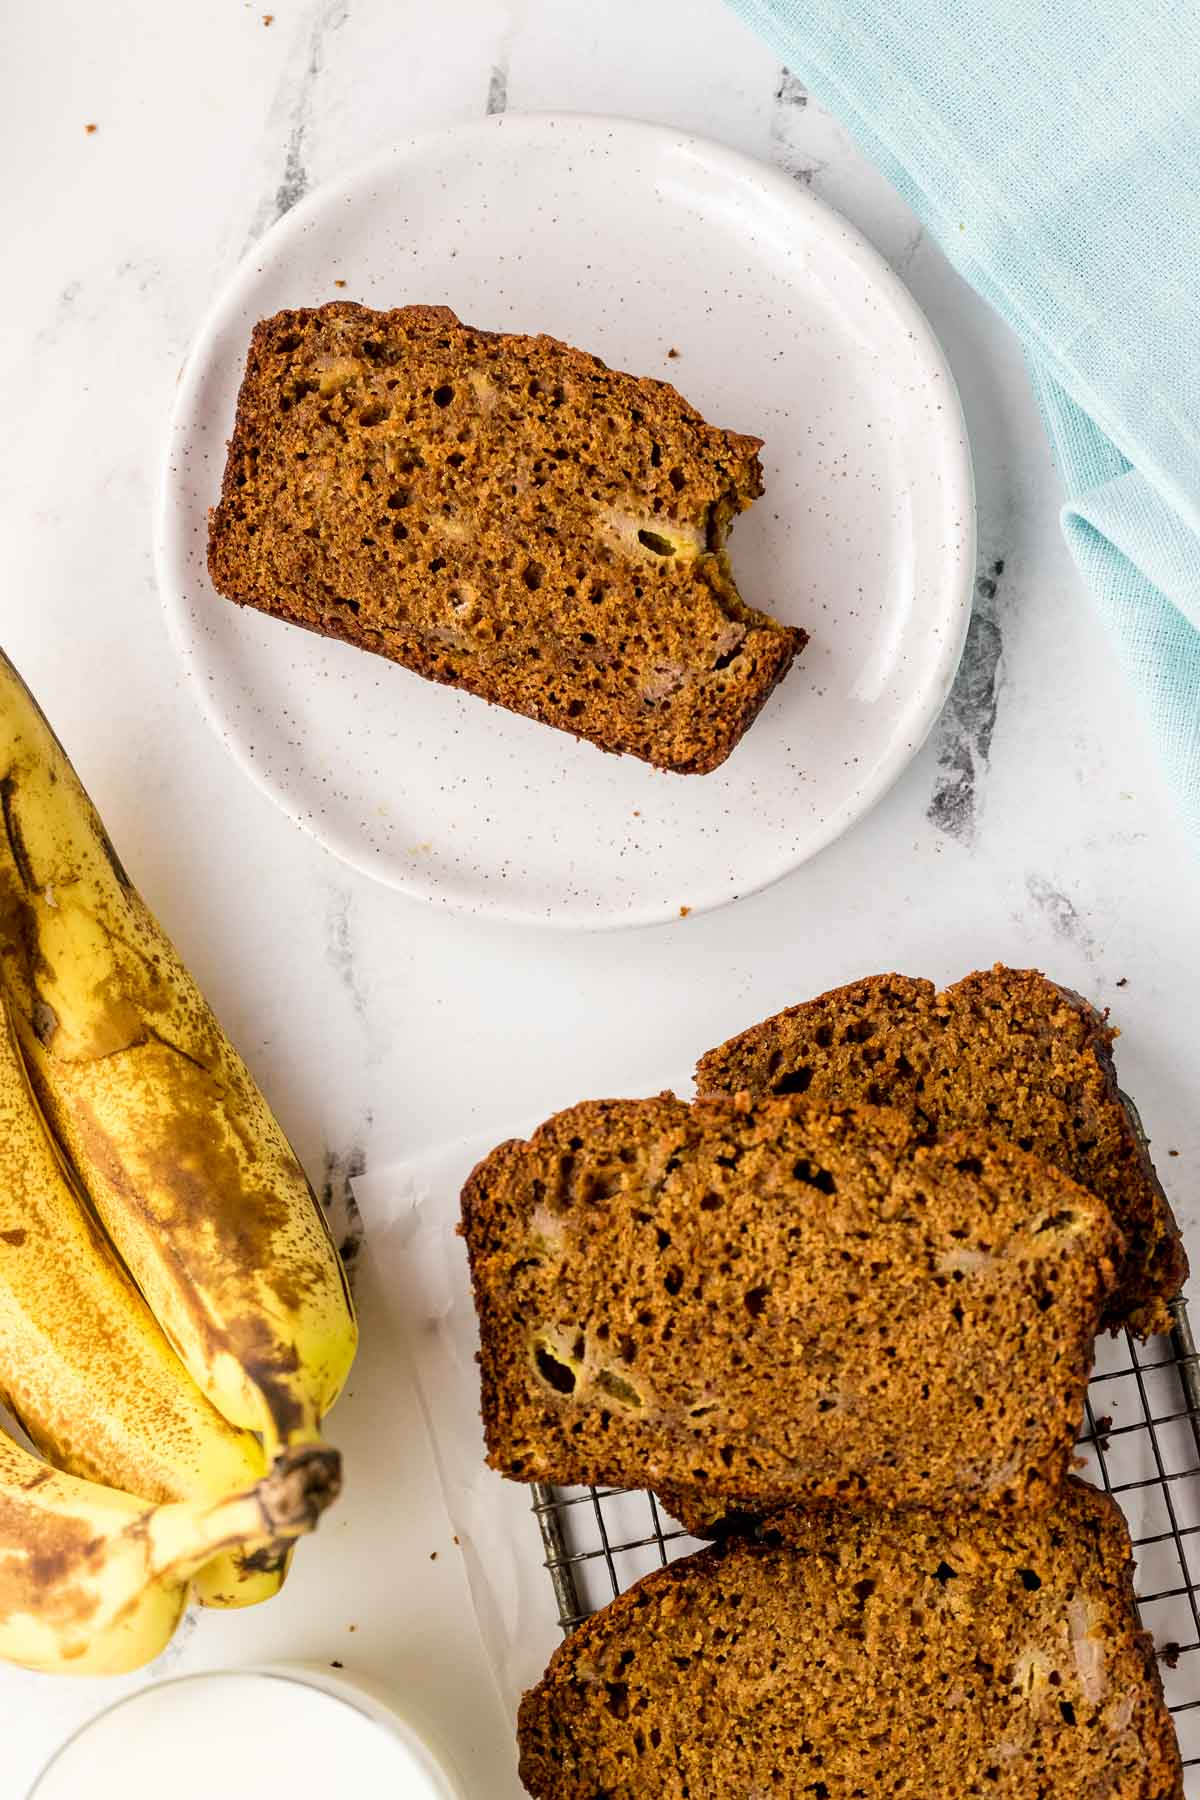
(456, 1540)
(684, 911)
(268, 18)
(637, 813)
(335, 1664)
(1172, 1153)
(1124, 981)
(352, 1628)
(1170, 1655)
(91, 129)
(1103, 1426)
(338, 283)
(672, 352)
(433, 1556)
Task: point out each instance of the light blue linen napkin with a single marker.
(1053, 149)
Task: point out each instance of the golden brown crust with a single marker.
(772, 1304)
(1003, 1048)
(978, 1655)
(504, 515)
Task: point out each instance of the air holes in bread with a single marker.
(558, 1375)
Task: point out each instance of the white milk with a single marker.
(242, 1736)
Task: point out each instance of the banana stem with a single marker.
(285, 1504)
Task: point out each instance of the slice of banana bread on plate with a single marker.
(876, 1656)
(503, 514)
(1005, 1050)
(773, 1304)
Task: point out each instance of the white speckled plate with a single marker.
(631, 241)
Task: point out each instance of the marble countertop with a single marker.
(154, 143)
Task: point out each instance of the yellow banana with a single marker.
(83, 1364)
(93, 1582)
(174, 1145)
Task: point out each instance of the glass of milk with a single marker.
(246, 1735)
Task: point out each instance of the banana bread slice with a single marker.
(773, 1304)
(1004, 1049)
(877, 1656)
(503, 514)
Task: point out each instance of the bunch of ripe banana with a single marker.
(174, 1320)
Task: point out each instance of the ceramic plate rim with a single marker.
(958, 485)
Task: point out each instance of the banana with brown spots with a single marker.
(161, 1121)
(94, 1582)
(84, 1366)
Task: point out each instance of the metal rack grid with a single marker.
(1141, 1443)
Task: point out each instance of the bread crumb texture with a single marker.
(504, 514)
(762, 1302)
(882, 1656)
(1003, 1049)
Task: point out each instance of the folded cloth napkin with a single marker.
(1053, 149)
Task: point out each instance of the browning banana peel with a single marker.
(176, 1149)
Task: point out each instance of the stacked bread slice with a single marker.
(846, 1303)
(1004, 1050)
(770, 1304)
(880, 1654)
